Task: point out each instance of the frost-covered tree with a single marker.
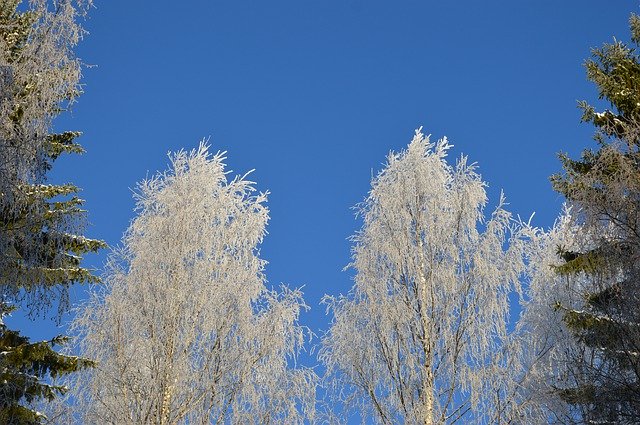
(185, 330)
(547, 348)
(41, 225)
(599, 378)
(422, 337)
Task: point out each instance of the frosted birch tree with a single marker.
(185, 330)
(551, 355)
(422, 336)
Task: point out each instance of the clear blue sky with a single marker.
(314, 94)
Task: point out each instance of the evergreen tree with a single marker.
(22, 366)
(603, 188)
(40, 224)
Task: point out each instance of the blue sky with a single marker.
(314, 94)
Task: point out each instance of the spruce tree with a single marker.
(22, 367)
(603, 188)
(40, 224)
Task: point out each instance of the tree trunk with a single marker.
(427, 384)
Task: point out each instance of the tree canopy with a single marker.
(185, 330)
(421, 336)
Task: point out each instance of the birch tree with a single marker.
(422, 336)
(550, 354)
(185, 330)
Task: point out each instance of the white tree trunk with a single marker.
(427, 385)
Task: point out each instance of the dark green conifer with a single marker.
(603, 187)
(41, 242)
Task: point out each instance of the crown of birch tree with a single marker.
(185, 330)
(550, 352)
(421, 336)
